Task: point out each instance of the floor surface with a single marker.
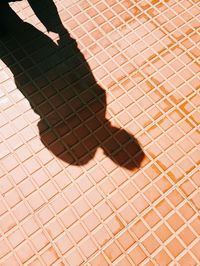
(99, 138)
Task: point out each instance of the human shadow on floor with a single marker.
(61, 89)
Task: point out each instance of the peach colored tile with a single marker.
(76, 187)
(137, 255)
(162, 258)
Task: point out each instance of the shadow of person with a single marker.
(61, 89)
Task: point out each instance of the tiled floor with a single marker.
(76, 188)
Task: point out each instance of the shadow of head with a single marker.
(79, 146)
(72, 115)
(122, 148)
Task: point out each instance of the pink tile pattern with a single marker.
(145, 55)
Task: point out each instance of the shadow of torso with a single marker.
(61, 89)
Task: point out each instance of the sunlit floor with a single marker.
(100, 154)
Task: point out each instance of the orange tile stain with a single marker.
(99, 141)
